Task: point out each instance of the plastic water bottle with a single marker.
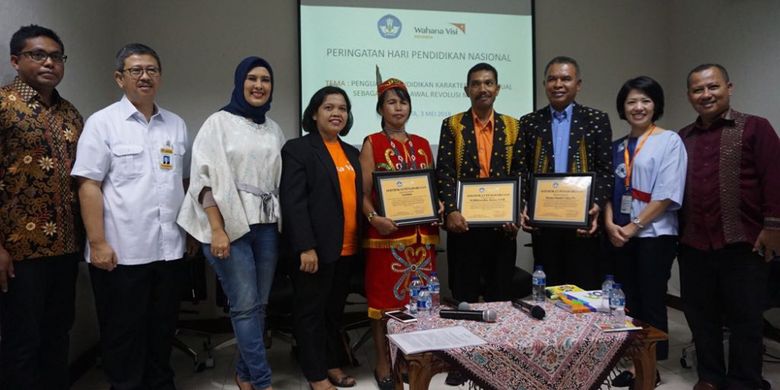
(414, 293)
(617, 305)
(539, 281)
(424, 308)
(606, 289)
(434, 288)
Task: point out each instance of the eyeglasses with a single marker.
(137, 72)
(40, 56)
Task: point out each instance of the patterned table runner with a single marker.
(564, 351)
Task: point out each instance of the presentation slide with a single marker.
(430, 50)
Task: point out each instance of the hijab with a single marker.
(238, 104)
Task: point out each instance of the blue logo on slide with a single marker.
(389, 26)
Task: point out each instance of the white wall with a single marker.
(201, 42)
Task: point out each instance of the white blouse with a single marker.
(242, 164)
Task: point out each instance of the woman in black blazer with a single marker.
(320, 192)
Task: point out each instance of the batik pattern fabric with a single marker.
(39, 213)
(564, 351)
(391, 260)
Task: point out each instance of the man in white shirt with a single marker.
(129, 166)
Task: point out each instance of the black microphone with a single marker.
(473, 315)
(534, 311)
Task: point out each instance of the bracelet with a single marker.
(371, 215)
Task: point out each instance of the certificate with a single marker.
(490, 201)
(561, 200)
(406, 197)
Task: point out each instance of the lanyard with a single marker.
(630, 161)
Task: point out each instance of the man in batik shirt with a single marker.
(40, 233)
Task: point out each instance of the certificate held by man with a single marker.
(406, 197)
(561, 200)
(489, 202)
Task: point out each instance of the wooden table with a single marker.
(421, 367)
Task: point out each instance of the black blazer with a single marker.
(458, 157)
(310, 197)
(590, 146)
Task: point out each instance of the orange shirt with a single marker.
(346, 174)
(484, 133)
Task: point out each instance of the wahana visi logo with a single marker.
(449, 30)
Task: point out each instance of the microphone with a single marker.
(534, 311)
(473, 315)
(464, 306)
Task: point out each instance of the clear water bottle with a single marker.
(617, 305)
(539, 282)
(414, 293)
(424, 308)
(606, 289)
(434, 288)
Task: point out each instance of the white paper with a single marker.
(435, 339)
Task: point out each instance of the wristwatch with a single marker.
(636, 221)
(371, 215)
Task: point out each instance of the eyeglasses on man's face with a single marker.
(137, 71)
(40, 56)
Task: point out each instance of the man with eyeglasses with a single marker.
(40, 232)
(130, 171)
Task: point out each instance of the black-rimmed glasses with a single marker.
(40, 56)
(137, 72)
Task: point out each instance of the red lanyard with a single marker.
(630, 161)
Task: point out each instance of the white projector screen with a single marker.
(430, 45)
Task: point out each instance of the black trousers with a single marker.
(725, 287)
(481, 261)
(137, 308)
(568, 258)
(644, 266)
(319, 308)
(36, 315)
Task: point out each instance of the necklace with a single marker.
(403, 164)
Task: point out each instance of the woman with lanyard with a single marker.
(232, 207)
(641, 219)
(393, 254)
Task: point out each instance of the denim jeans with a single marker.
(246, 276)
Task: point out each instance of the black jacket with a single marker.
(310, 196)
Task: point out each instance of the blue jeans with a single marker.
(246, 276)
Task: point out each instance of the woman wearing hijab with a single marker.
(393, 254)
(232, 207)
(321, 192)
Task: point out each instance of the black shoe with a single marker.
(455, 378)
(386, 383)
(625, 379)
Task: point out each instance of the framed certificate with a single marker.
(489, 201)
(561, 200)
(406, 197)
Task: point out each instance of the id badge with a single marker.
(625, 203)
(166, 157)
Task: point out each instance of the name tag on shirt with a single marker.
(625, 203)
(166, 157)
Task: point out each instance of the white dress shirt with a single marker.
(142, 189)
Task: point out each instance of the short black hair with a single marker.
(481, 66)
(563, 60)
(402, 94)
(647, 86)
(20, 37)
(307, 120)
(704, 67)
(134, 49)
